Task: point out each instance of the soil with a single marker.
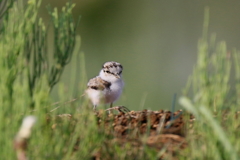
(159, 130)
(164, 132)
(162, 129)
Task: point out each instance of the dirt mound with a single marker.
(162, 129)
(158, 130)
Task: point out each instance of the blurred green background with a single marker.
(155, 41)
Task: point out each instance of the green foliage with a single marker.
(25, 48)
(5, 6)
(29, 71)
(214, 132)
(209, 136)
(64, 41)
(210, 79)
(68, 129)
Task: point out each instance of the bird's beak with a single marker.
(117, 76)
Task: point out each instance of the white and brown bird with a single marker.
(107, 86)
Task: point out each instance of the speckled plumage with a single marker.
(107, 87)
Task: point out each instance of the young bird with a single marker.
(107, 86)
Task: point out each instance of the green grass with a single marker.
(207, 96)
(29, 73)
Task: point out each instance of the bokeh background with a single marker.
(156, 42)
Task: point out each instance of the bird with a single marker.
(107, 87)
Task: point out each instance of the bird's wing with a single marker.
(98, 83)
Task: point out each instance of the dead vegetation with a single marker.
(156, 129)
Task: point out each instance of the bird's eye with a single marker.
(94, 87)
(107, 71)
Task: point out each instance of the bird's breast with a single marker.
(114, 91)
